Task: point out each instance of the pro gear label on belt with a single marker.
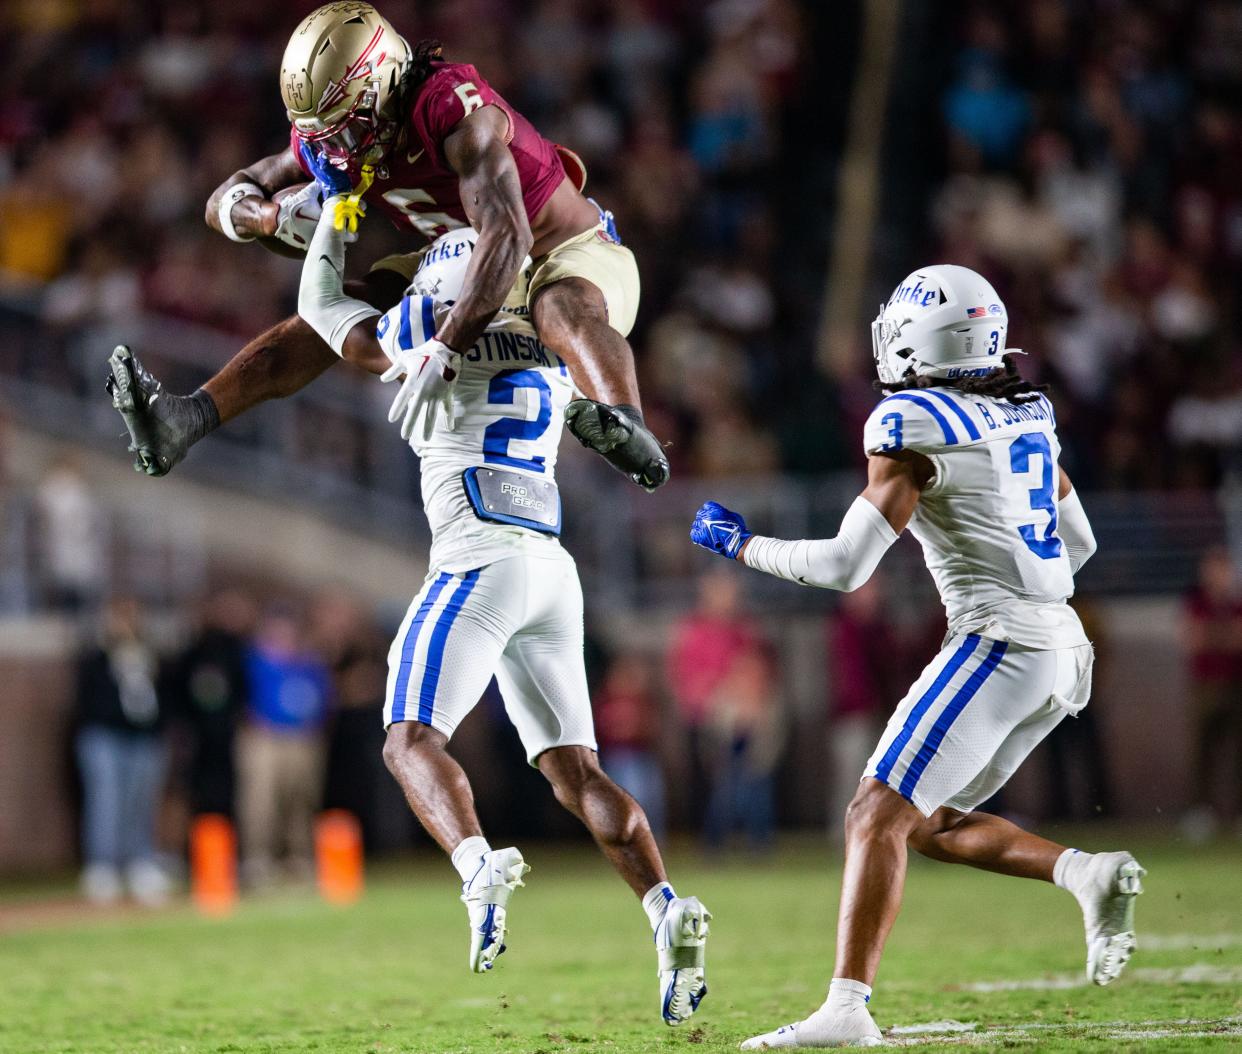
(513, 498)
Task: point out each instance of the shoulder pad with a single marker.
(925, 420)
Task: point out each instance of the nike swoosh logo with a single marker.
(335, 270)
(411, 158)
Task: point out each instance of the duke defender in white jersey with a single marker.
(964, 452)
(502, 597)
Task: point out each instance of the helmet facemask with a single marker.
(890, 365)
(361, 135)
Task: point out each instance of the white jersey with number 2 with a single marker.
(987, 521)
(508, 407)
(500, 598)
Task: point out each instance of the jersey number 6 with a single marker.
(469, 95)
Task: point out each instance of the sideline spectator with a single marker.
(720, 676)
(627, 724)
(745, 732)
(866, 686)
(1078, 787)
(121, 756)
(356, 653)
(698, 660)
(280, 752)
(1212, 632)
(209, 691)
(72, 539)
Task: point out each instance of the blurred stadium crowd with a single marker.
(1094, 171)
(1086, 155)
(1088, 160)
(676, 108)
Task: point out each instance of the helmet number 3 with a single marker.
(469, 95)
(993, 338)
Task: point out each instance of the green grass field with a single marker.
(291, 974)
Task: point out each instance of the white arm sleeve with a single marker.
(844, 562)
(321, 296)
(1075, 530)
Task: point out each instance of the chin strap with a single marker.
(349, 207)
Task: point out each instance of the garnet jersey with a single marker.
(987, 522)
(416, 187)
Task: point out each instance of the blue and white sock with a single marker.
(468, 854)
(656, 901)
(845, 994)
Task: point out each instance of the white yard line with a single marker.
(1177, 942)
(1196, 973)
(930, 1027)
(969, 1034)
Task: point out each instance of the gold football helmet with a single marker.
(341, 81)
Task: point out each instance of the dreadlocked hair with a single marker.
(425, 53)
(1004, 382)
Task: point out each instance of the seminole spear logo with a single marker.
(362, 66)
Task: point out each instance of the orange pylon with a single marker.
(213, 864)
(338, 853)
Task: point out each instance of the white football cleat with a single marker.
(1106, 893)
(486, 897)
(681, 940)
(824, 1028)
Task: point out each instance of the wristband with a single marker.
(231, 197)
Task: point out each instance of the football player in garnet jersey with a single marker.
(432, 145)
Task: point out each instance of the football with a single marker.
(275, 245)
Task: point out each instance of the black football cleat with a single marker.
(618, 434)
(162, 427)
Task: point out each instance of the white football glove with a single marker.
(297, 216)
(430, 370)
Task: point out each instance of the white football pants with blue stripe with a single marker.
(975, 713)
(519, 619)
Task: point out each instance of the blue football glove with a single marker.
(348, 208)
(332, 180)
(718, 529)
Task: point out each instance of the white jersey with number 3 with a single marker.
(508, 407)
(987, 521)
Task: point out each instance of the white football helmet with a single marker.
(441, 273)
(941, 321)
